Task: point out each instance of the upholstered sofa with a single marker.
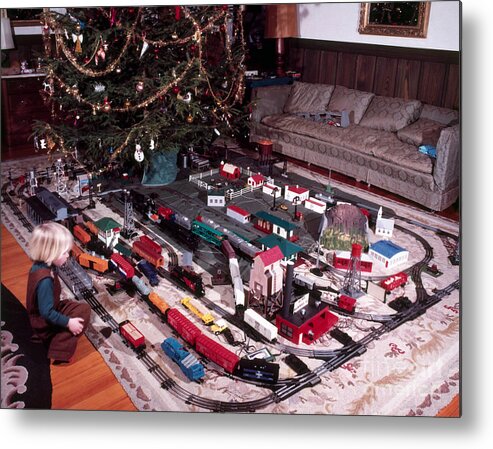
(380, 145)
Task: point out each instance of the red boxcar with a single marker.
(347, 303)
(392, 282)
(157, 248)
(123, 265)
(188, 331)
(82, 235)
(147, 253)
(217, 353)
(130, 333)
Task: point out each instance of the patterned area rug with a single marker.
(412, 370)
(26, 381)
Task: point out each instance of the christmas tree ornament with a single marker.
(186, 99)
(189, 64)
(100, 54)
(78, 38)
(139, 154)
(145, 47)
(106, 105)
(42, 144)
(98, 87)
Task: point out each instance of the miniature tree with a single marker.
(125, 83)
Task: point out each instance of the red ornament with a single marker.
(176, 89)
(177, 12)
(193, 48)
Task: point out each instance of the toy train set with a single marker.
(130, 264)
(207, 347)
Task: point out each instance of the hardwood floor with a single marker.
(87, 383)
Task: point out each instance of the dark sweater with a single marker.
(44, 296)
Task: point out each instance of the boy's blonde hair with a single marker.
(49, 241)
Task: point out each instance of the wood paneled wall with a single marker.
(432, 76)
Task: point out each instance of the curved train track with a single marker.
(332, 359)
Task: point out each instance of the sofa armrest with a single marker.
(269, 100)
(447, 167)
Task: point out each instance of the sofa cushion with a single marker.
(422, 132)
(391, 114)
(372, 142)
(308, 97)
(345, 99)
(445, 116)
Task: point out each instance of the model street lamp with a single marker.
(296, 201)
(274, 192)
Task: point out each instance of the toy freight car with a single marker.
(93, 262)
(159, 302)
(148, 253)
(156, 247)
(207, 233)
(132, 335)
(81, 234)
(392, 282)
(141, 286)
(296, 364)
(341, 336)
(258, 370)
(149, 272)
(346, 303)
(217, 353)
(122, 265)
(185, 328)
(187, 362)
(260, 324)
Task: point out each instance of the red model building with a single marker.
(229, 171)
(302, 320)
(306, 325)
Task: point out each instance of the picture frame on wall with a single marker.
(397, 19)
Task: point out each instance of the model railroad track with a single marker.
(210, 210)
(286, 387)
(172, 255)
(6, 198)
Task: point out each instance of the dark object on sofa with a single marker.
(380, 146)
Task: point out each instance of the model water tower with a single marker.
(352, 279)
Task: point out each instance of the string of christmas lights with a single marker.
(234, 82)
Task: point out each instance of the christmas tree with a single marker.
(126, 84)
